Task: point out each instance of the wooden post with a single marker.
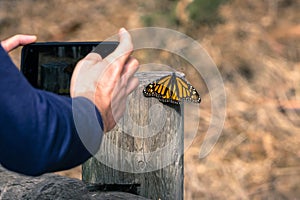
(144, 153)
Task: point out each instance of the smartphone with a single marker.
(49, 65)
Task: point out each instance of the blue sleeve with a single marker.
(38, 133)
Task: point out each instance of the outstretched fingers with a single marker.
(119, 57)
(132, 85)
(131, 66)
(129, 70)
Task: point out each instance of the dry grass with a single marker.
(258, 155)
(257, 50)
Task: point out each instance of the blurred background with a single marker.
(256, 47)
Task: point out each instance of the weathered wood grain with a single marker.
(144, 150)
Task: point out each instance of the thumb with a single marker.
(17, 40)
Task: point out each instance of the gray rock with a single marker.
(51, 186)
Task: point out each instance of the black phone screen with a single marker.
(49, 66)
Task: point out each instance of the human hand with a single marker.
(16, 41)
(107, 82)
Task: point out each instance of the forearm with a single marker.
(37, 130)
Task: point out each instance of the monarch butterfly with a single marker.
(172, 89)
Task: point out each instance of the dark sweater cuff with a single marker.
(88, 123)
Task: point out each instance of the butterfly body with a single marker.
(172, 89)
